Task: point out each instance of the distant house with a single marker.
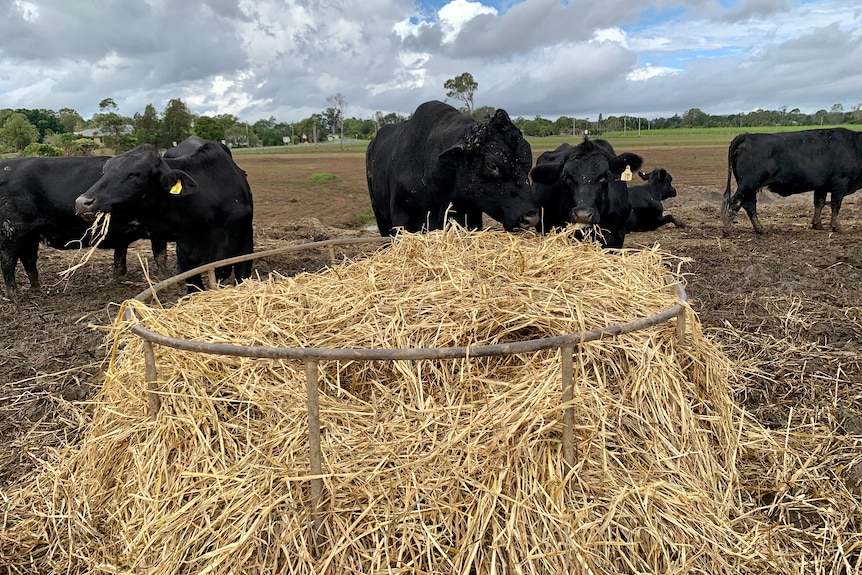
(97, 135)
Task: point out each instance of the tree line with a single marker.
(692, 118)
(46, 132)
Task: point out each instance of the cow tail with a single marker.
(726, 216)
(730, 152)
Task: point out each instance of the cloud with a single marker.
(458, 13)
(282, 58)
(753, 8)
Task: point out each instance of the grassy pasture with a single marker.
(631, 138)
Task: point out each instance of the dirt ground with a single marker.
(784, 306)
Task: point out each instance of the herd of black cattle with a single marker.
(437, 166)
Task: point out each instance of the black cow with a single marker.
(441, 162)
(646, 199)
(37, 203)
(823, 160)
(194, 195)
(582, 185)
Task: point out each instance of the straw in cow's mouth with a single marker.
(97, 233)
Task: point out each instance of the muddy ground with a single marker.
(785, 305)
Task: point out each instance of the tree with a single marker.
(360, 129)
(378, 120)
(209, 128)
(462, 88)
(284, 130)
(820, 116)
(393, 118)
(483, 114)
(42, 150)
(177, 121)
(565, 125)
(538, 126)
(265, 130)
(112, 125)
(329, 119)
(70, 119)
(241, 136)
(148, 126)
(17, 132)
(339, 103)
(309, 129)
(45, 121)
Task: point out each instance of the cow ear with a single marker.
(500, 117)
(451, 158)
(618, 164)
(546, 172)
(178, 183)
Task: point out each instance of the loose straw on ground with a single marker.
(437, 466)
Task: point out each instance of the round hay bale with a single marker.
(432, 466)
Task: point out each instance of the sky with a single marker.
(282, 59)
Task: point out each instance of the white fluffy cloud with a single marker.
(283, 58)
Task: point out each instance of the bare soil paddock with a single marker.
(785, 306)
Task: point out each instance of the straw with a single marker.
(98, 231)
(435, 466)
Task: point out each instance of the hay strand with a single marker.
(97, 233)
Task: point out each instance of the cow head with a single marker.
(133, 182)
(490, 165)
(583, 184)
(659, 181)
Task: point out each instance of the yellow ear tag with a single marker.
(178, 187)
(626, 176)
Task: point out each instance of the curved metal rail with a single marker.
(565, 343)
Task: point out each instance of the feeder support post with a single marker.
(153, 400)
(313, 398)
(567, 353)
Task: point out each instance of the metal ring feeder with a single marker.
(312, 355)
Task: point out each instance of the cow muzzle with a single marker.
(530, 219)
(586, 216)
(85, 207)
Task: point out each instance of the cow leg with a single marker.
(384, 224)
(8, 263)
(749, 204)
(668, 219)
(160, 255)
(729, 207)
(834, 223)
(187, 260)
(743, 198)
(819, 202)
(120, 267)
(28, 254)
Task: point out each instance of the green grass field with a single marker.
(629, 139)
